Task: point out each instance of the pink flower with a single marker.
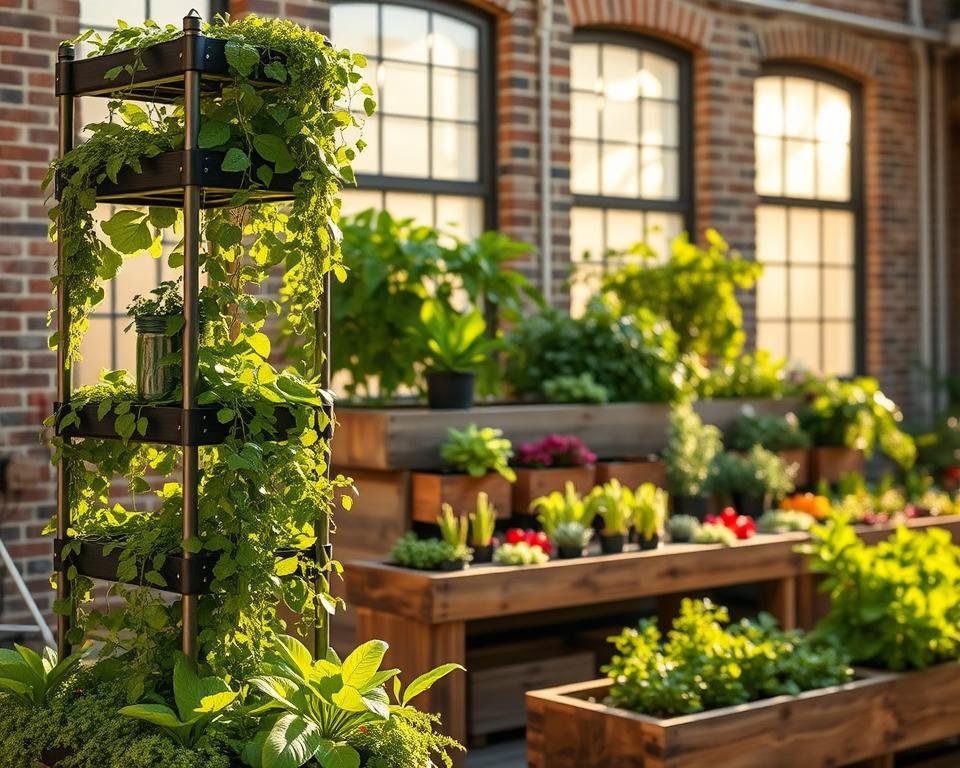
(555, 451)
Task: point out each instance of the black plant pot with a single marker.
(697, 506)
(483, 554)
(652, 543)
(568, 553)
(449, 390)
(753, 506)
(453, 565)
(612, 545)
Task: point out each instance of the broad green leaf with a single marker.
(276, 71)
(213, 133)
(260, 344)
(215, 702)
(295, 654)
(241, 56)
(376, 701)
(349, 699)
(161, 217)
(280, 689)
(291, 743)
(361, 665)
(340, 755)
(226, 415)
(265, 174)
(186, 686)
(426, 680)
(287, 566)
(158, 714)
(235, 160)
(32, 659)
(128, 231)
(273, 149)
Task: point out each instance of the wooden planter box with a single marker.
(871, 718)
(429, 490)
(533, 483)
(633, 473)
(831, 463)
(800, 457)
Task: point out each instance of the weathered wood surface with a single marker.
(831, 464)
(632, 473)
(410, 438)
(429, 491)
(533, 483)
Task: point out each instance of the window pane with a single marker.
(585, 167)
(367, 161)
(139, 274)
(404, 90)
(838, 292)
(659, 77)
(769, 166)
(661, 229)
(454, 94)
(773, 336)
(404, 33)
(804, 236)
(833, 171)
(800, 163)
(97, 13)
(838, 341)
(168, 11)
(405, 143)
(805, 292)
(621, 120)
(771, 234)
(354, 26)
(586, 233)
(96, 350)
(800, 107)
(454, 151)
(661, 124)
(410, 205)
(772, 292)
(624, 228)
(833, 114)
(462, 216)
(584, 284)
(621, 175)
(805, 344)
(584, 66)
(661, 173)
(357, 200)
(838, 240)
(584, 120)
(455, 43)
(768, 106)
(621, 67)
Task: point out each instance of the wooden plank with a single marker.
(380, 514)
(779, 598)
(430, 490)
(410, 438)
(533, 483)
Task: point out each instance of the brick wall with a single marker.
(729, 47)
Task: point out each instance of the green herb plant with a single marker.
(33, 678)
(451, 341)
(483, 521)
(758, 473)
(477, 451)
(426, 554)
(713, 533)
(772, 431)
(556, 509)
(648, 510)
(692, 447)
(520, 553)
(612, 502)
(784, 521)
(453, 528)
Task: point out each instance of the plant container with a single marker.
(653, 542)
(830, 463)
(450, 390)
(483, 554)
(697, 506)
(533, 483)
(752, 506)
(612, 545)
(429, 490)
(453, 565)
(799, 457)
(633, 472)
(569, 553)
(157, 374)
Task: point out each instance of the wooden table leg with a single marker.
(668, 608)
(415, 648)
(806, 601)
(780, 599)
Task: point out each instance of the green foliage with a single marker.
(748, 375)
(478, 451)
(694, 290)
(520, 553)
(575, 389)
(682, 528)
(200, 701)
(557, 508)
(633, 357)
(483, 521)
(33, 678)
(452, 341)
(758, 473)
(893, 604)
(164, 300)
(453, 528)
(426, 554)
(713, 533)
(691, 449)
(784, 521)
(707, 663)
(612, 502)
(403, 741)
(571, 534)
(856, 414)
(772, 431)
(648, 508)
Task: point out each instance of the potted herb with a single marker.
(429, 554)
(649, 514)
(691, 449)
(478, 460)
(547, 465)
(455, 347)
(520, 553)
(633, 472)
(483, 522)
(753, 481)
(611, 502)
(780, 434)
(567, 516)
(453, 531)
(846, 421)
(682, 528)
(158, 319)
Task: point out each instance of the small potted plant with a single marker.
(428, 554)
(455, 347)
(483, 522)
(780, 434)
(691, 449)
(520, 553)
(612, 502)
(682, 528)
(158, 319)
(557, 511)
(633, 472)
(478, 460)
(453, 531)
(649, 514)
(548, 465)
(753, 481)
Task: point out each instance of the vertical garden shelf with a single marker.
(174, 71)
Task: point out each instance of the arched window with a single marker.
(809, 236)
(631, 150)
(430, 149)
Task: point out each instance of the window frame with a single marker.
(855, 205)
(484, 187)
(685, 204)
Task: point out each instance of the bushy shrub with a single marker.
(772, 431)
(692, 447)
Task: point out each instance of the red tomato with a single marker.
(515, 535)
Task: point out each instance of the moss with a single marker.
(407, 740)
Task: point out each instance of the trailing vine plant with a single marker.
(262, 489)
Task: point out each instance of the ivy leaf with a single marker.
(113, 73)
(229, 235)
(142, 426)
(265, 174)
(369, 106)
(276, 71)
(104, 408)
(260, 344)
(161, 218)
(213, 133)
(235, 160)
(128, 231)
(226, 415)
(133, 115)
(286, 567)
(242, 57)
(274, 149)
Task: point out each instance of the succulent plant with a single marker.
(612, 502)
(571, 534)
(557, 508)
(649, 510)
(483, 521)
(453, 528)
(682, 528)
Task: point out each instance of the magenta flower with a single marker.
(555, 451)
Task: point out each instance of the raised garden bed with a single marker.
(429, 490)
(633, 472)
(533, 483)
